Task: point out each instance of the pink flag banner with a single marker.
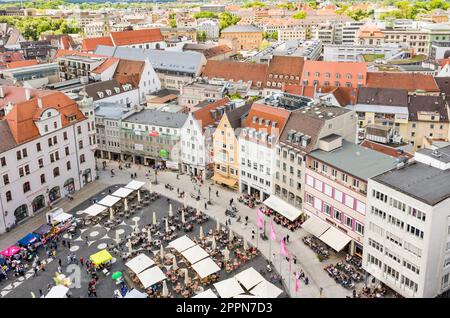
(260, 220)
(283, 248)
(290, 263)
(273, 235)
(296, 282)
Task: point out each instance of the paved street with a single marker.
(306, 258)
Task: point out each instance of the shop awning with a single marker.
(10, 251)
(101, 257)
(205, 267)
(134, 293)
(30, 238)
(195, 254)
(285, 209)
(227, 181)
(135, 185)
(266, 289)
(122, 192)
(44, 229)
(61, 217)
(206, 294)
(94, 209)
(58, 291)
(140, 263)
(249, 278)
(315, 226)
(229, 288)
(335, 239)
(151, 276)
(182, 243)
(109, 200)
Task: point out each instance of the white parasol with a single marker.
(226, 254)
(174, 265)
(130, 247)
(167, 225)
(150, 187)
(198, 208)
(170, 210)
(139, 196)
(111, 214)
(126, 204)
(231, 236)
(186, 276)
(117, 236)
(154, 218)
(213, 244)
(183, 218)
(161, 252)
(217, 224)
(184, 201)
(201, 235)
(165, 291)
(245, 244)
(149, 235)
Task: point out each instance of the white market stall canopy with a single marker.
(229, 288)
(151, 276)
(122, 192)
(182, 243)
(335, 239)
(135, 185)
(140, 263)
(206, 267)
(285, 209)
(62, 217)
(206, 294)
(134, 293)
(266, 289)
(95, 209)
(58, 291)
(109, 200)
(195, 254)
(315, 226)
(249, 278)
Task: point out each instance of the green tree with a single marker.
(205, 15)
(312, 4)
(226, 19)
(201, 36)
(172, 23)
(299, 15)
(287, 5)
(254, 4)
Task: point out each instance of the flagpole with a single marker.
(257, 235)
(290, 273)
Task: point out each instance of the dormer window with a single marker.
(100, 94)
(267, 122)
(274, 124)
(117, 90)
(108, 92)
(261, 121)
(255, 118)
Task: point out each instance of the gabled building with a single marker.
(324, 73)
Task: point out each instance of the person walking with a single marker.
(294, 258)
(253, 233)
(41, 293)
(206, 206)
(217, 193)
(287, 238)
(231, 201)
(68, 244)
(81, 261)
(59, 262)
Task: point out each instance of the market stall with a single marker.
(229, 288)
(266, 289)
(30, 239)
(182, 243)
(62, 221)
(10, 251)
(249, 278)
(151, 276)
(100, 258)
(195, 254)
(134, 293)
(136, 186)
(94, 209)
(45, 232)
(140, 263)
(58, 291)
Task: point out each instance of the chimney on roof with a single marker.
(2, 92)
(39, 101)
(27, 94)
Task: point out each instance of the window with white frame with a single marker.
(328, 190)
(348, 221)
(349, 201)
(318, 185)
(327, 209)
(318, 204)
(338, 195)
(337, 215)
(309, 180)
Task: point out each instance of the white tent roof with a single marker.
(245, 296)
(285, 209)
(134, 293)
(249, 278)
(182, 243)
(109, 200)
(335, 239)
(195, 254)
(135, 185)
(266, 289)
(229, 288)
(315, 226)
(151, 276)
(122, 192)
(62, 217)
(140, 263)
(58, 291)
(206, 267)
(206, 294)
(95, 209)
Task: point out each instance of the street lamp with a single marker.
(156, 175)
(209, 195)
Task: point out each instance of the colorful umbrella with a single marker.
(116, 275)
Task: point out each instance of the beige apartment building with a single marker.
(249, 37)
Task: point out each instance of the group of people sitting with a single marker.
(279, 219)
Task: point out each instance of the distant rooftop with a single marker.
(158, 118)
(241, 28)
(358, 161)
(111, 110)
(441, 154)
(422, 182)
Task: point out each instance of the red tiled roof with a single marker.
(61, 53)
(128, 71)
(408, 81)
(204, 114)
(355, 69)
(280, 115)
(15, 95)
(136, 37)
(91, 44)
(21, 119)
(282, 67)
(236, 71)
(385, 149)
(24, 63)
(105, 65)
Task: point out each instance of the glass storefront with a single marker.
(54, 194)
(21, 212)
(38, 203)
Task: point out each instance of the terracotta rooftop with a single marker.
(90, 44)
(288, 69)
(21, 119)
(279, 115)
(204, 114)
(136, 37)
(128, 71)
(236, 71)
(105, 65)
(15, 95)
(24, 63)
(408, 81)
(61, 53)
